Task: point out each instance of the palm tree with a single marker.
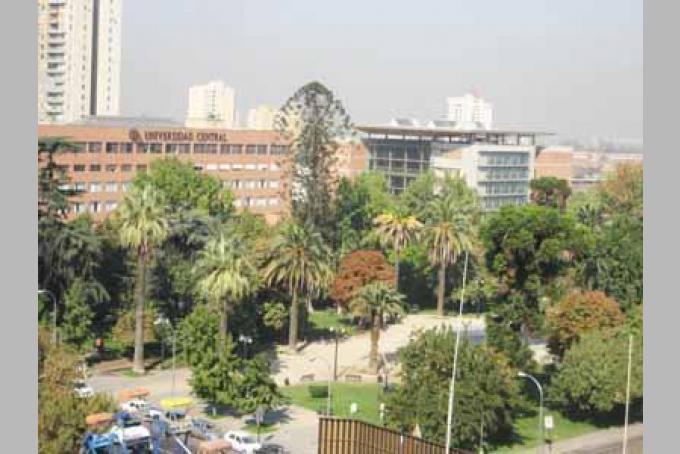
(449, 232)
(373, 301)
(142, 227)
(226, 274)
(397, 231)
(299, 261)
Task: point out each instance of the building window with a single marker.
(273, 167)
(273, 201)
(251, 149)
(184, 148)
(94, 147)
(250, 166)
(126, 168)
(95, 206)
(225, 166)
(141, 167)
(205, 148)
(273, 184)
(79, 147)
(155, 148)
(95, 187)
(111, 205)
(170, 148)
(262, 149)
(260, 202)
(125, 186)
(211, 167)
(79, 186)
(111, 186)
(278, 149)
(236, 166)
(95, 168)
(235, 149)
(111, 167)
(224, 149)
(126, 147)
(262, 166)
(142, 148)
(79, 207)
(79, 167)
(111, 147)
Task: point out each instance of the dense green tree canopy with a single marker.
(315, 123)
(184, 188)
(550, 191)
(486, 387)
(592, 378)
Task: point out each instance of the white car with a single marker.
(137, 406)
(132, 433)
(242, 442)
(82, 389)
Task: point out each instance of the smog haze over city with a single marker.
(573, 67)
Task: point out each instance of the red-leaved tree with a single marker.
(357, 269)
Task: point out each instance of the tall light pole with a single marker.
(452, 387)
(165, 321)
(54, 312)
(336, 333)
(540, 408)
(328, 402)
(625, 424)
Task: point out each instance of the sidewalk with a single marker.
(607, 441)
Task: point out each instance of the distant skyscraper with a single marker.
(79, 52)
(212, 105)
(261, 117)
(470, 112)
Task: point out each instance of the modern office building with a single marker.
(470, 112)
(261, 117)
(498, 164)
(211, 106)
(79, 59)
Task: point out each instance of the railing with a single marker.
(349, 436)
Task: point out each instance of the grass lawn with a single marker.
(527, 429)
(366, 395)
(324, 320)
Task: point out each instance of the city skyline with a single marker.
(575, 68)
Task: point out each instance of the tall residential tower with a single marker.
(212, 105)
(79, 54)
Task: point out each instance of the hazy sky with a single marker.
(571, 66)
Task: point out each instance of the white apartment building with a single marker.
(261, 117)
(470, 112)
(212, 105)
(79, 55)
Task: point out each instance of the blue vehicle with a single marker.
(95, 443)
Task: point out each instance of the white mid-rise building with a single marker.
(79, 59)
(212, 105)
(470, 112)
(262, 117)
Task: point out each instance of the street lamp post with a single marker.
(245, 341)
(165, 321)
(336, 333)
(328, 402)
(54, 312)
(540, 407)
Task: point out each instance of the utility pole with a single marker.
(452, 387)
(625, 425)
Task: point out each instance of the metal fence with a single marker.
(349, 436)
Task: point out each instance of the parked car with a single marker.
(204, 430)
(242, 442)
(139, 407)
(129, 429)
(177, 421)
(271, 448)
(82, 389)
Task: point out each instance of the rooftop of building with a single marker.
(441, 128)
